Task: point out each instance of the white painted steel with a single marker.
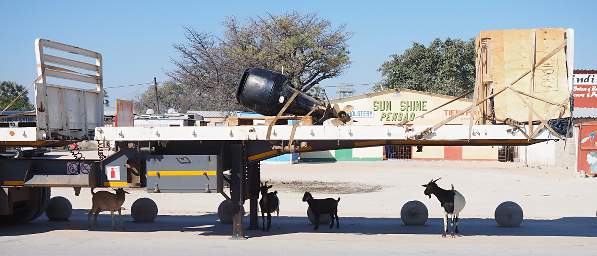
(311, 132)
(20, 134)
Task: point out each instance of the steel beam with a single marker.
(254, 170)
(238, 164)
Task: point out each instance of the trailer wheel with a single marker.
(28, 210)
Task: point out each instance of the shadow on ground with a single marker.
(208, 225)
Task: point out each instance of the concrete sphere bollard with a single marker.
(226, 211)
(508, 214)
(323, 218)
(144, 210)
(59, 209)
(414, 213)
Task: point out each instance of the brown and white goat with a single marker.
(106, 201)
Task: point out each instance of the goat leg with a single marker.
(120, 216)
(337, 220)
(453, 226)
(445, 225)
(332, 220)
(316, 221)
(269, 221)
(112, 215)
(89, 218)
(457, 220)
(263, 220)
(97, 211)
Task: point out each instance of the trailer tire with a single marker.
(29, 210)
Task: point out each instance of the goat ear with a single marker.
(424, 185)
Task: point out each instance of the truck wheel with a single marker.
(28, 210)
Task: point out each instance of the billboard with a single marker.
(584, 89)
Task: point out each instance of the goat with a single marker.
(268, 203)
(323, 206)
(106, 201)
(451, 200)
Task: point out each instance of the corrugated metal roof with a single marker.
(397, 90)
(584, 113)
(585, 71)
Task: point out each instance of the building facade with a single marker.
(391, 107)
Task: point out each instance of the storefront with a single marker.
(396, 106)
(585, 116)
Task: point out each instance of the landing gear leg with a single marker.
(254, 178)
(237, 158)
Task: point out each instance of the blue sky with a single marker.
(136, 37)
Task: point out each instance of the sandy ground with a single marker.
(558, 206)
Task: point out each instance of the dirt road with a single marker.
(559, 213)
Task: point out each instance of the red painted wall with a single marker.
(453, 152)
(587, 148)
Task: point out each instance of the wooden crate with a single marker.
(267, 120)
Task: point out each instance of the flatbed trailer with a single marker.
(223, 159)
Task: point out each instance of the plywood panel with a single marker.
(511, 53)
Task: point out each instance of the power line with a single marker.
(347, 85)
(128, 85)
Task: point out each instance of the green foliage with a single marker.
(444, 67)
(11, 90)
(306, 48)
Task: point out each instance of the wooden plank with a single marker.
(68, 48)
(69, 62)
(532, 82)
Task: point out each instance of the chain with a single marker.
(101, 144)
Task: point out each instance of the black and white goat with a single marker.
(268, 203)
(323, 206)
(451, 200)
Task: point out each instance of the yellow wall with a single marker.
(393, 107)
(480, 153)
(429, 152)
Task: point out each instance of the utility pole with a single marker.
(157, 98)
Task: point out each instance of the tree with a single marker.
(306, 48)
(444, 67)
(9, 91)
(171, 95)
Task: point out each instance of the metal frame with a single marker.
(71, 111)
(447, 134)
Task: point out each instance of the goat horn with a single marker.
(437, 179)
